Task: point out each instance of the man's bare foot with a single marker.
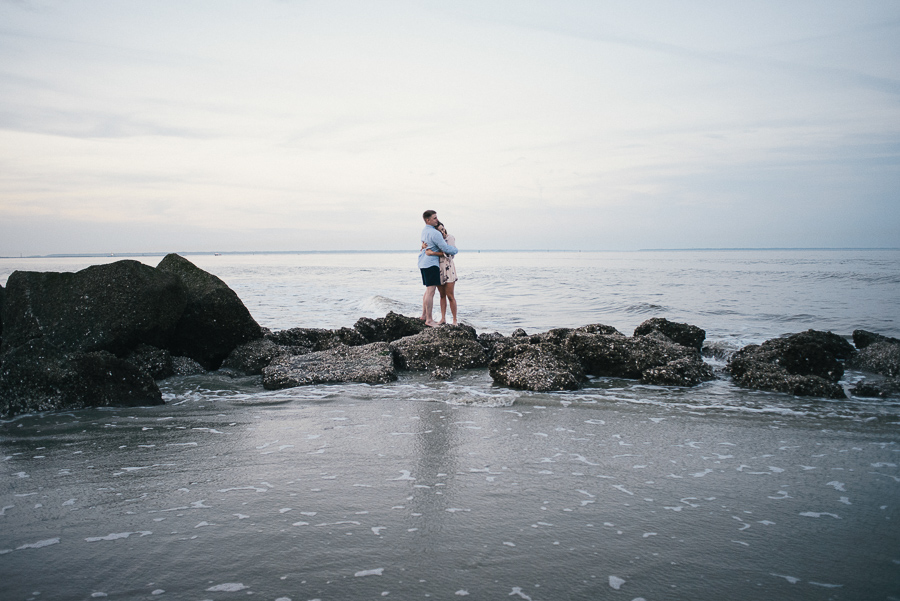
(454, 323)
(442, 322)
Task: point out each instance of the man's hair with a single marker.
(428, 214)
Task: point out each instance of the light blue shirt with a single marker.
(435, 242)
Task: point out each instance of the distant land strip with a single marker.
(487, 250)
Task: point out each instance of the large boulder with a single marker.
(541, 366)
(806, 364)
(37, 376)
(456, 347)
(214, 321)
(112, 307)
(680, 333)
(392, 326)
(370, 364)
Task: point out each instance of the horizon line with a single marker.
(299, 252)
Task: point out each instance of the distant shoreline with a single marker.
(349, 252)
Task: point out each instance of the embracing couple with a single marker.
(438, 271)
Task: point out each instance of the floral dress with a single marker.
(448, 269)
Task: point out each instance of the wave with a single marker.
(381, 305)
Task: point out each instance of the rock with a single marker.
(862, 338)
(768, 376)
(882, 357)
(810, 353)
(250, 358)
(680, 333)
(490, 341)
(442, 373)
(154, 361)
(518, 332)
(687, 371)
(113, 307)
(214, 322)
(456, 347)
(599, 328)
(617, 356)
(317, 339)
(889, 387)
(37, 376)
(392, 326)
(541, 367)
(2, 292)
(370, 364)
(185, 366)
(804, 364)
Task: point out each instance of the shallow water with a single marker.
(356, 495)
(426, 489)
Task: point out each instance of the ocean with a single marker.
(460, 488)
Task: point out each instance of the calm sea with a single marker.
(426, 489)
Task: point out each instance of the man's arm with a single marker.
(437, 240)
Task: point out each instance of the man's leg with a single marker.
(428, 305)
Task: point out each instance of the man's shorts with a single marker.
(431, 276)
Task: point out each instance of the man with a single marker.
(430, 265)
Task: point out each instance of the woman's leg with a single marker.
(449, 291)
(443, 290)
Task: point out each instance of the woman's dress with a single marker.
(448, 269)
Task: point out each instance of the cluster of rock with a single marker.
(103, 335)
(374, 349)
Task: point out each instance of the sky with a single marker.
(210, 126)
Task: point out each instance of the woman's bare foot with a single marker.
(432, 324)
(442, 322)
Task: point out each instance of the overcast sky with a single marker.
(183, 125)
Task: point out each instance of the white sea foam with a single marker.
(616, 582)
(117, 536)
(227, 587)
(813, 514)
(41, 543)
(375, 572)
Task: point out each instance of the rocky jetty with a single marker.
(806, 364)
(101, 335)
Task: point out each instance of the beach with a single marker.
(461, 488)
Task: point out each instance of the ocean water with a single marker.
(450, 489)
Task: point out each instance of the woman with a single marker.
(448, 276)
